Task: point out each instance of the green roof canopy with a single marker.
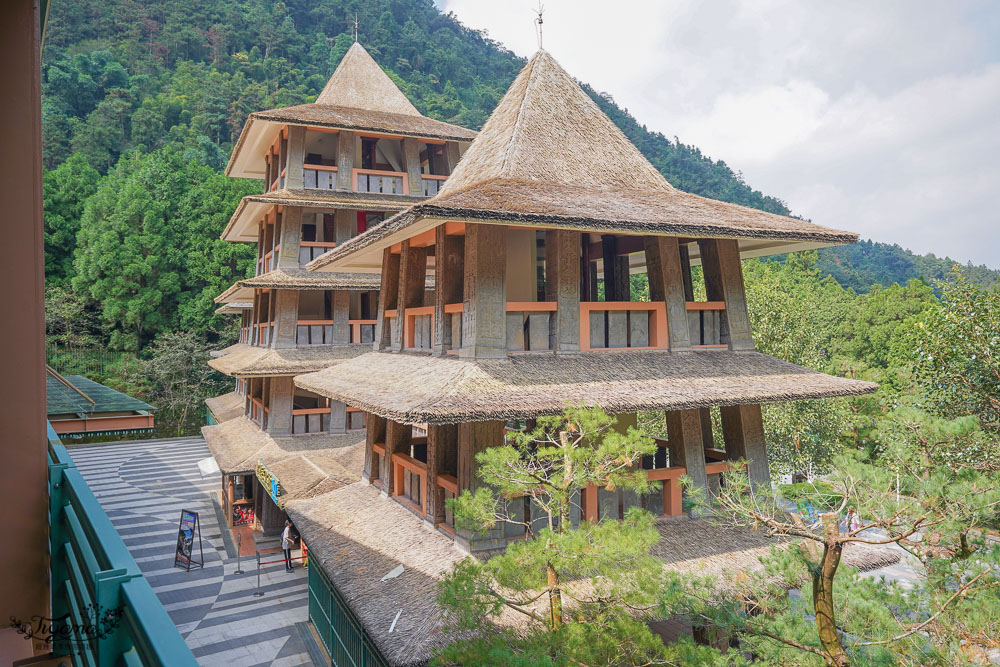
(63, 400)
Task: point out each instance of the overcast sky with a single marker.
(881, 118)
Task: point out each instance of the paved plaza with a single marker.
(143, 486)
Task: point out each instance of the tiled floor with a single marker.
(143, 486)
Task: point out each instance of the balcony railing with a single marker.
(314, 332)
(528, 325)
(259, 412)
(623, 325)
(244, 335)
(419, 328)
(705, 323)
(262, 333)
(310, 250)
(381, 182)
(431, 184)
(110, 614)
(310, 420)
(449, 485)
(410, 481)
(269, 262)
(362, 331)
(319, 176)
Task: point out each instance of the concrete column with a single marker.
(474, 437)
(663, 266)
(345, 160)
(341, 313)
(562, 285)
(449, 255)
(484, 322)
(338, 418)
(286, 317)
(374, 432)
(452, 153)
(720, 261)
(397, 439)
(412, 278)
(345, 222)
(686, 271)
(388, 296)
(296, 157)
(616, 281)
(687, 448)
(279, 421)
(291, 236)
(743, 430)
(442, 458)
(411, 160)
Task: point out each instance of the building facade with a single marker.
(554, 266)
(330, 170)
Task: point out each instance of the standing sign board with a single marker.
(184, 553)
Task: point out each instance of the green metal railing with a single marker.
(106, 613)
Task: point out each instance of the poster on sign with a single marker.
(186, 532)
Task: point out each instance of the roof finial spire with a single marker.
(538, 22)
(355, 28)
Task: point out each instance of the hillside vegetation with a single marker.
(142, 102)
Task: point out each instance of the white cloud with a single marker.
(881, 118)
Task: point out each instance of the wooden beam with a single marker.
(374, 433)
(442, 458)
(449, 257)
(397, 439)
(388, 296)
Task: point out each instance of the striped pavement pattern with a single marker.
(143, 485)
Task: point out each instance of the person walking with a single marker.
(286, 544)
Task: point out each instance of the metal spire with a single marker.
(355, 28)
(538, 22)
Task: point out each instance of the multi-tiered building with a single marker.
(509, 294)
(331, 169)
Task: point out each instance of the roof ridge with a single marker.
(516, 129)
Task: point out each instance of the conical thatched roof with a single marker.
(360, 83)
(549, 157)
(547, 129)
(359, 96)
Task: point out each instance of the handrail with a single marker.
(448, 483)
(531, 306)
(90, 565)
(320, 167)
(318, 244)
(453, 308)
(434, 177)
(705, 305)
(311, 411)
(657, 324)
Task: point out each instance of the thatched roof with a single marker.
(234, 308)
(242, 360)
(306, 465)
(549, 157)
(227, 406)
(359, 83)
(413, 389)
(701, 548)
(357, 537)
(296, 279)
(242, 225)
(359, 96)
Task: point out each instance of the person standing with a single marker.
(286, 544)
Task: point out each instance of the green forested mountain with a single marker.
(868, 263)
